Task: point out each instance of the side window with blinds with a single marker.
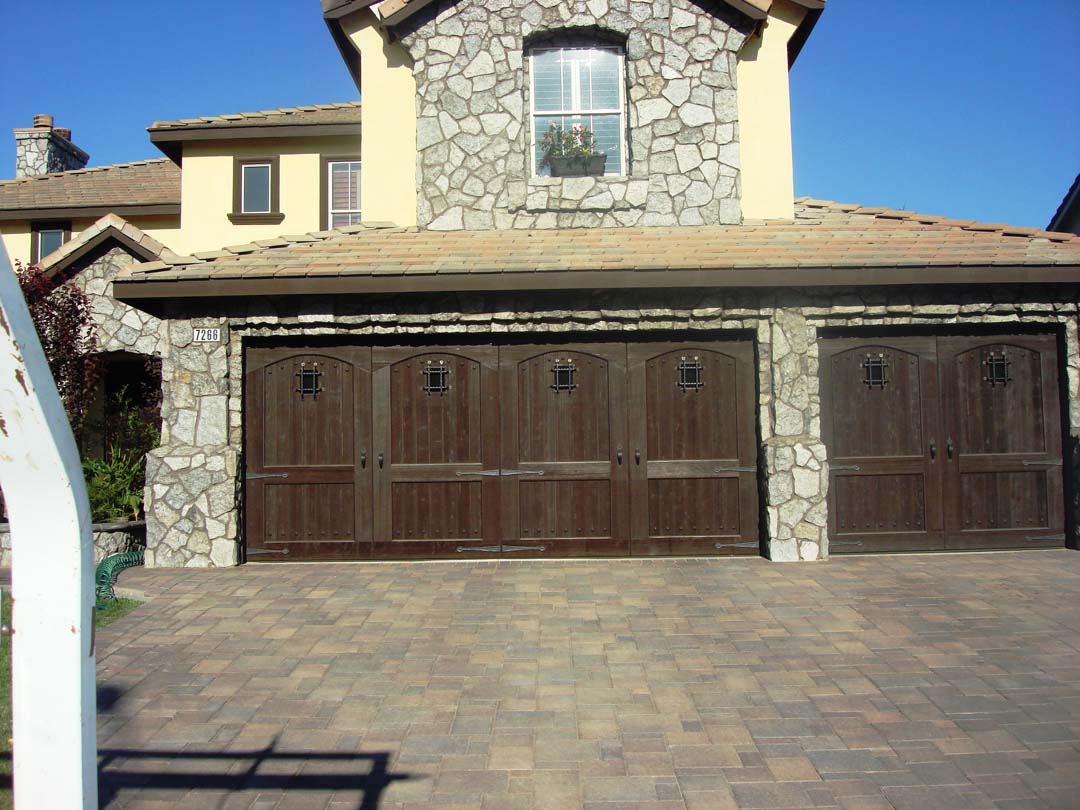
(580, 87)
(341, 193)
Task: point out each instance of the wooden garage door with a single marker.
(942, 443)
(460, 452)
(307, 488)
(693, 446)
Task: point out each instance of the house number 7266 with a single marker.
(203, 335)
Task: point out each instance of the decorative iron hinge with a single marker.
(252, 551)
(1046, 538)
(848, 543)
(254, 476)
(1050, 463)
(499, 549)
(499, 473)
(854, 467)
(737, 545)
(734, 469)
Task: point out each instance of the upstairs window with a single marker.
(47, 237)
(255, 184)
(256, 191)
(341, 192)
(574, 87)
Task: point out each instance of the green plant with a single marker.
(576, 142)
(114, 484)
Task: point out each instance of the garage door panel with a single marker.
(562, 487)
(1002, 414)
(436, 429)
(693, 452)
(880, 418)
(685, 385)
(880, 504)
(307, 412)
(882, 413)
(299, 514)
(572, 510)
(999, 416)
(437, 510)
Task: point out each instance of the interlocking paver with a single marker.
(877, 683)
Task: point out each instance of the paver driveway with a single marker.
(904, 682)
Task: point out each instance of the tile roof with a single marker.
(108, 227)
(824, 235)
(344, 112)
(144, 182)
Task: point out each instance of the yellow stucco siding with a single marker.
(768, 183)
(207, 188)
(388, 93)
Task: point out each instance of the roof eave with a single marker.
(86, 211)
(170, 140)
(133, 290)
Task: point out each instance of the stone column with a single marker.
(795, 460)
(191, 479)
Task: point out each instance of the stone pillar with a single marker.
(191, 479)
(795, 460)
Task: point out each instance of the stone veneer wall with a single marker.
(120, 328)
(474, 154)
(192, 491)
(42, 151)
(109, 539)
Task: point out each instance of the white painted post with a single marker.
(54, 702)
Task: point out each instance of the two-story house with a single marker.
(665, 354)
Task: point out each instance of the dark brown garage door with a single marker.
(479, 451)
(942, 443)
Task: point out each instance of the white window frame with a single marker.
(36, 250)
(330, 210)
(269, 187)
(621, 112)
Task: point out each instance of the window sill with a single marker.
(256, 219)
(603, 193)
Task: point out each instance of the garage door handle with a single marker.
(949, 447)
(618, 456)
(363, 458)
(933, 450)
(380, 459)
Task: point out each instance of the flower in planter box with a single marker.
(571, 151)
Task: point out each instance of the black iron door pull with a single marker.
(949, 447)
(933, 450)
(637, 455)
(618, 455)
(380, 460)
(363, 458)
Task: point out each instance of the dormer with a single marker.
(686, 101)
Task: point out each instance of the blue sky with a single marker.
(965, 109)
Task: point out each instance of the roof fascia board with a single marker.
(111, 233)
(83, 212)
(761, 278)
(1071, 200)
(226, 133)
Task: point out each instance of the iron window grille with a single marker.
(875, 371)
(563, 372)
(997, 369)
(436, 377)
(690, 374)
(309, 381)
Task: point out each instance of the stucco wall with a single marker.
(207, 189)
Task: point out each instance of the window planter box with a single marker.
(592, 166)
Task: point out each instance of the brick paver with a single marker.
(929, 681)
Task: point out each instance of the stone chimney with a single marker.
(44, 148)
